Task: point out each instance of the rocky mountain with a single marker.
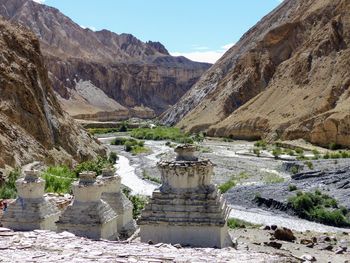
(288, 77)
(102, 75)
(33, 126)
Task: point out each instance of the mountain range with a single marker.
(33, 126)
(287, 78)
(102, 75)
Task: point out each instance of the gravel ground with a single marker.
(46, 246)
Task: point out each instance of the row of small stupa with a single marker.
(99, 208)
(187, 209)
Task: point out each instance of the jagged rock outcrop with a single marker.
(33, 126)
(142, 78)
(287, 78)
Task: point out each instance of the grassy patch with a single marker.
(58, 179)
(8, 190)
(131, 145)
(146, 176)
(292, 187)
(123, 127)
(163, 133)
(227, 185)
(94, 166)
(234, 223)
(309, 164)
(320, 208)
(234, 179)
(272, 178)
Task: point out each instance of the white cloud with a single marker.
(39, 1)
(203, 55)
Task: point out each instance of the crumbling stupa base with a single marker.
(31, 210)
(27, 215)
(196, 236)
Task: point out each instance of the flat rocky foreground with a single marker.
(47, 246)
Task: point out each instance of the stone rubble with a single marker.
(48, 246)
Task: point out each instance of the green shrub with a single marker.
(292, 187)
(344, 154)
(299, 151)
(335, 155)
(334, 146)
(113, 157)
(256, 151)
(138, 202)
(227, 185)
(294, 169)
(277, 152)
(119, 141)
(261, 143)
(290, 152)
(234, 223)
(95, 166)
(8, 190)
(123, 127)
(320, 208)
(310, 165)
(94, 131)
(163, 133)
(326, 156)
(58, 179)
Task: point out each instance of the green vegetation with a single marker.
(131, 145)
(164, 133)
(290, 152)
(146, 176)
(294, 169)
(113, 157)
(309, 164)
(58, 179)
(234, 223)
(94, 166)
(272, 178)
(203, 149)
(123, 127)
(277, 152)
(299, 151)
(227, 185)
(320, 208)
(8, 190)
(261, 144)
(256, 151)
(234, 179)
(138, 202)
(292, 187)
(334, 146)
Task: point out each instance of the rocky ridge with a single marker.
(287, 78)
(142, 78)
(33, 126)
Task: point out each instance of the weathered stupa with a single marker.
(121, 205)
(187, 209)
(88, 215)
(30, 210)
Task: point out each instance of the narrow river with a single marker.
(255, 216)
(131, 180)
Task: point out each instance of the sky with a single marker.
(201, 30)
